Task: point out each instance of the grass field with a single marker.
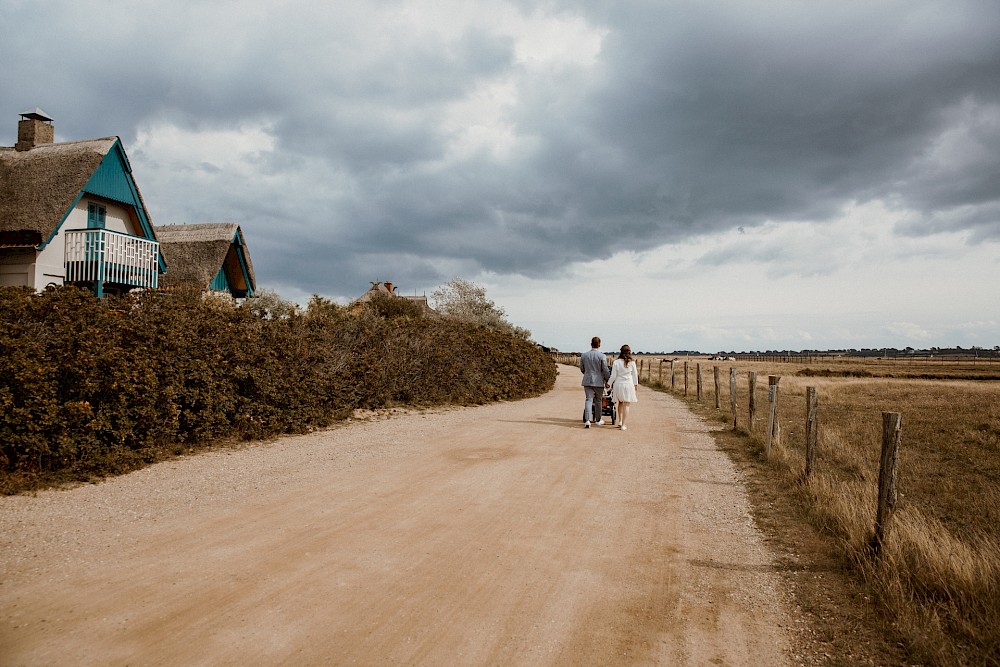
(938, 576)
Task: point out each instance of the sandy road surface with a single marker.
(499, 535)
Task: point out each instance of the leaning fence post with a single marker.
(811, 430)
(773, 429)
(891, 436)
(752, 403)
(685, 378)
(715, 373)
(732, 394)
(698, 379)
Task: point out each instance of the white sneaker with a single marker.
(600, 422)
(586, 424)
(624, 428)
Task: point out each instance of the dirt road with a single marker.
(498, 535)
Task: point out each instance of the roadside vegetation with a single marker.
(90, 388)
(937, 580)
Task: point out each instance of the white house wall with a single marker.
(117, 219)
(49, 265)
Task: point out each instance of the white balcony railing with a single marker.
(111, 257)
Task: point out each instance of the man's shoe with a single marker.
(586, 424)
(600, 422)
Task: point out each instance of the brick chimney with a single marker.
(388, 287)
(34, 128)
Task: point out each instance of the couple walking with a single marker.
(622, 378)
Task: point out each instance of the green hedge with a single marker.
(95, 387)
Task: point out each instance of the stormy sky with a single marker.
(672, 174)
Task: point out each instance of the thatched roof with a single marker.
(377, 289)
(387, 289)
(39, 186)
(195, 253)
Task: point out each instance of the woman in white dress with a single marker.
(624, 382)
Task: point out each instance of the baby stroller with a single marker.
(608, 407)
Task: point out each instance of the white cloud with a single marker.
(555, 41)
(908, 331)
(234, 148)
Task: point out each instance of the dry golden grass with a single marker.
(939, 570)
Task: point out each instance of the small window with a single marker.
(96, 216)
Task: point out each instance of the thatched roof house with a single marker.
(378, 289)
(72, 212)
(212, 256)
(387, 289)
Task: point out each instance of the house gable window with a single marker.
(96, 216)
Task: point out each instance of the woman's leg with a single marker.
(622, 412)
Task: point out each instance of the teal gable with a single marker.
(221, 282)
(242, 263)
(113, 180)
(237, 263)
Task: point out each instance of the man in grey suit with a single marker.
(595, 371)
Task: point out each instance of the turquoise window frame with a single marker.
(97, 216)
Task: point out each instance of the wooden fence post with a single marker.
(673, 378)
(811, 430)
(698, 379)
(685, 378)
(752, 403)
(732, 394)
(773, 428)
(891, 436)
(715, 373)
(660, 377)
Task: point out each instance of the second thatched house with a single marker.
(210, 256)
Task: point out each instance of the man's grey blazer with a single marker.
(595, 368)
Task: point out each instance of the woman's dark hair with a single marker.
(625, 354)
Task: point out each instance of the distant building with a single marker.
(387, 289)
(378, 289)
(71, 213)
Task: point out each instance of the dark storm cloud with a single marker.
(695, 117)
(793, 114)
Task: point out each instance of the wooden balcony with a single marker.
(104, 257)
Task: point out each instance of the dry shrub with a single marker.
(94, 387)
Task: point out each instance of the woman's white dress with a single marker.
(623, 381)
